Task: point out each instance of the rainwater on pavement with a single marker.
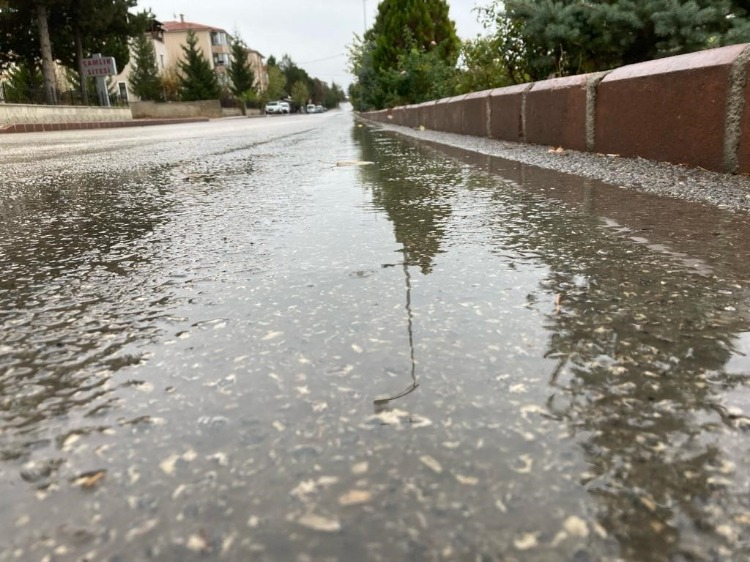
(300, 338)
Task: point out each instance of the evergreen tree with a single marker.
(197, 78)
(404, 24)
(25, 85)
(294, 74)
(276, 83)
(300, 94)
(562, 37)
(144, 75)
(65, 31)
(240, 73)
(93, 27)
(408, 55)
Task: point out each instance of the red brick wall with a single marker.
(690, 109)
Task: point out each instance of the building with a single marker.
(257, 63)
(170, 37)
(213, 42)
(156, 33)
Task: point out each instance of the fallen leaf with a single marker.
(360, 468)
(467, 480)
(319, 523)
(88, 480)
(525, 468)
(355, 497)
(343, 163)
(576, 527)
(168, 464)
(197, 543)
(271, 335)
(525, 542)
(431, 463)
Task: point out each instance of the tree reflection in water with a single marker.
(640, 342)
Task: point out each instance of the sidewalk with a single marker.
(43, 127)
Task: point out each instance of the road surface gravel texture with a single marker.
(302, 338)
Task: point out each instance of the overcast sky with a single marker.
(314, 34)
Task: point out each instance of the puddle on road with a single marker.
(432, 357)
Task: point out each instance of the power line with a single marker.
(324, 58)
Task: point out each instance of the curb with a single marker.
(78, 125)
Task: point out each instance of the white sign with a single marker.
(104, 66)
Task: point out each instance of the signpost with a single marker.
(100, 67)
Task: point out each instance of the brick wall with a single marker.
(691, 109)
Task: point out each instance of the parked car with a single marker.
(311, 108)
(274, 107)
(285, 108)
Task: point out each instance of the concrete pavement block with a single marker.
(555, 112)
(476, 114)
(427, 114)
(398, 116)
(672, 109)
(411, 116)
(506, 112)
(454, 116)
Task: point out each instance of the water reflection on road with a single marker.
(215, 352)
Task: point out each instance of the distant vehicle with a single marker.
(311, 108)
(274, 107)
(320, 109)
(285, 108)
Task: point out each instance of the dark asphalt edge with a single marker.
(77, 125)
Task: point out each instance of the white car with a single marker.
(274, 107)
(311, 108)
(285, 107)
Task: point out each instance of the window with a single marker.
(161, 59)
(123, 91)
(221, 59)
(218, 38)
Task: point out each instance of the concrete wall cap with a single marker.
(561, 82)
(510, 90)
(454, 99)
(722, 56)
(475, 95)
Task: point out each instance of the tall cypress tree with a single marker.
(403, 24)
(241, 75)
(197, 78)
(144, 76)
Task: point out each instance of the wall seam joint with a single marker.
(592, 84)
(735, 108)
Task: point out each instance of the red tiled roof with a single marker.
(186, 25)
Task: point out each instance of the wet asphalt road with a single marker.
(227, 341)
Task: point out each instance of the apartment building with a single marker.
(170, 37)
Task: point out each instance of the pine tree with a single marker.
(240, 73)
(144, 76)
(410, 48)
(197, 78)
(403, 24)
(564, 37)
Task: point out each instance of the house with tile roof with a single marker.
(213, 42)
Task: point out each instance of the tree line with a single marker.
(194, 79)
(37, 34)
(411, 53)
